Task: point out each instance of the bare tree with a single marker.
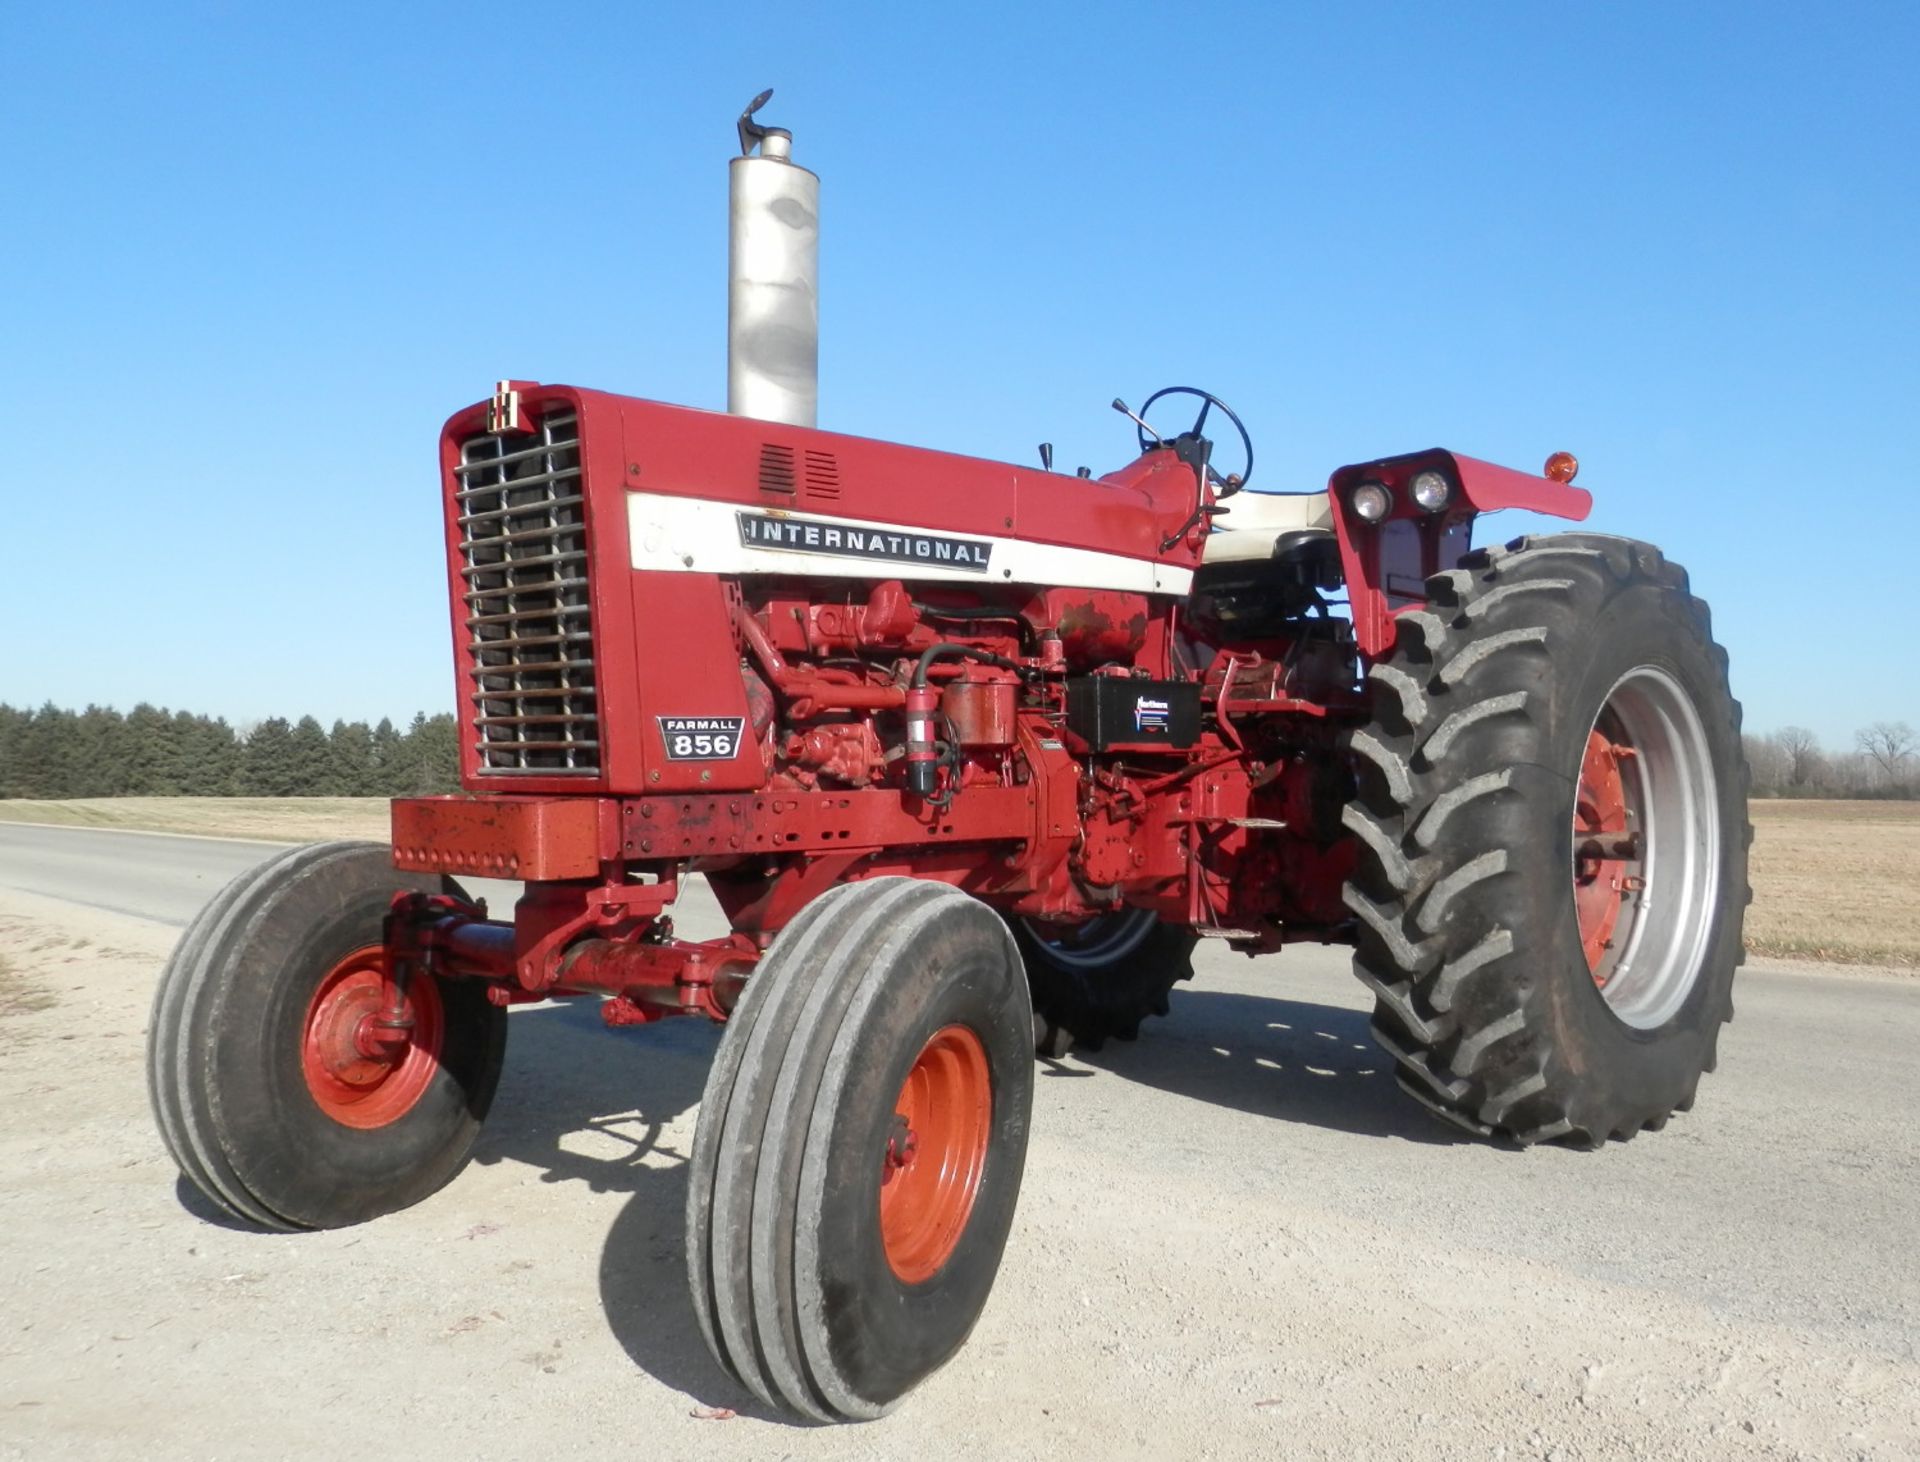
(1891, 744)
(1803, 753)
(1767, 763)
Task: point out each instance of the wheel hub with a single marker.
(1606, 849)
(903, 1145)
(362, 1069)
(935, 1153)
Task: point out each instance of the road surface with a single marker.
(152, 876)
(1236, 1238)
(143, 875)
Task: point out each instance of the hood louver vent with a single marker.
(809, 473)
(823, 477)
(776, 469)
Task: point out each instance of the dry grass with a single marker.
(271, 819)
(1835, 881)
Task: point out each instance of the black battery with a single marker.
(1119, 713)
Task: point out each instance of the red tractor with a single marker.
(971, 756)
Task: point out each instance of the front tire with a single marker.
(1553, 820)
(261, 1097)
(860, 1148)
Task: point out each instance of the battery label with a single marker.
(1150, 717)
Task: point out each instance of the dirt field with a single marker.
(1832, 881)
(1837, 881)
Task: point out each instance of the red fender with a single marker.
(1387, 562)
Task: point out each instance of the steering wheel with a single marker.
(1207, 402)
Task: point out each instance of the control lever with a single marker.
(1206, 512)
(1127, 411)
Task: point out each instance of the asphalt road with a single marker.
(1825, 1067)
(145, 876)
(153, 876)
(1234, 1229)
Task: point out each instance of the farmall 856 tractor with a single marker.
(971, 755)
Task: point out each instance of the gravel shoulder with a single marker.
(1236, 1239)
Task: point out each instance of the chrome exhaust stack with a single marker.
(773, 272)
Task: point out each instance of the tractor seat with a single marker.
(1254, 524)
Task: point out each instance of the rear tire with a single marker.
(269, 974)
(860, 1148)
(1102, 977)
(1546, 965)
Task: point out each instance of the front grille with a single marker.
(523, 546)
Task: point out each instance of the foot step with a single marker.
(1255, 822)
(1207, 931)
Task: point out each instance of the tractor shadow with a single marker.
(207, 1211)
(1289, 1060)
(581, 1104)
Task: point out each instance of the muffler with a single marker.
(773, 272)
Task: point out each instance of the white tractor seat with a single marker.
(1252, 527)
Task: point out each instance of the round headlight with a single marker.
(1431, 490)
(1370, 501)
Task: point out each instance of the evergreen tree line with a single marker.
(153, 752)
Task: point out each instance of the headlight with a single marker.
(1371, 501)
(1431, 490)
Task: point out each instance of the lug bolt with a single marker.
(903, 1144)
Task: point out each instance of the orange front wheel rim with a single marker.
(357, 1073)
(935, 1153)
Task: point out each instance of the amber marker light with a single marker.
(1561, 466)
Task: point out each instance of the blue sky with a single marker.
(252, 256)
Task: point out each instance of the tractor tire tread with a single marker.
(757, 1184)
(185, 1100)
(191, 1007)
(1085, 1008)
(1455, 994)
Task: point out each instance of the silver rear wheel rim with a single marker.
(1093, 943)
(1672, 794)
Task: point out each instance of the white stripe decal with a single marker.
(689, 535)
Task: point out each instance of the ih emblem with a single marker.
(503, 411)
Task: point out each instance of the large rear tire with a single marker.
(860, 1148)
(1553, 816)
(262, 1097)
(1101, 977)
